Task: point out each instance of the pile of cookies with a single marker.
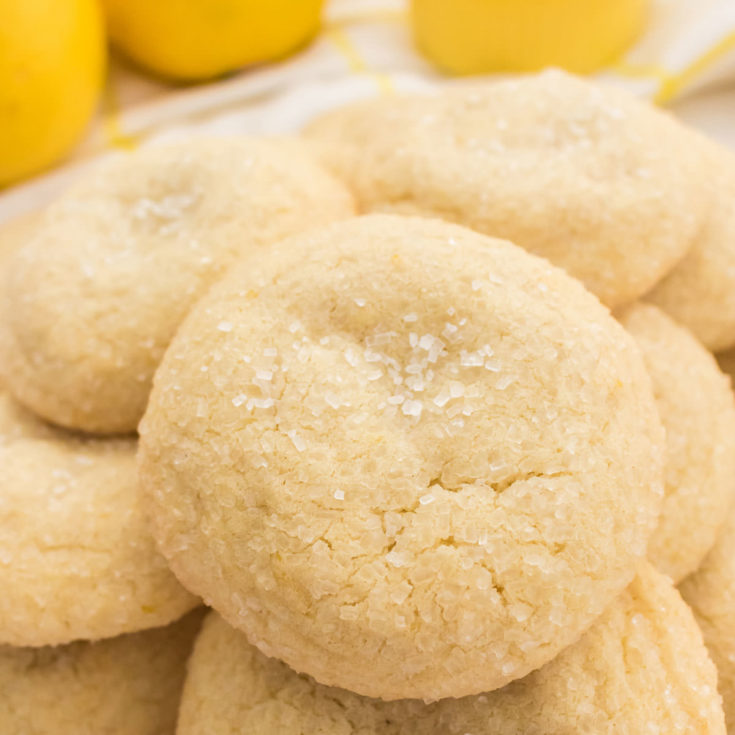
(426, 413)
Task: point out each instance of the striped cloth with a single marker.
(685, 59)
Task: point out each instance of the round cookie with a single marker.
(699, 292)
(403, 457)
(641, 668)
(77, 559)
(601, 184)
(697, 409)
(91, 302)
(130, 685)
(710, 592)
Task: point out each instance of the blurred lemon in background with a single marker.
(474, 36)
(199, 39)
(52, 61)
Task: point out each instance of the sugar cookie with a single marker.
(710, 592)
(699, 292)
(76, 556)
(641, 668)
(404, 457)
(601, 184)
(128, 685)
(93, 299)
(697, 409)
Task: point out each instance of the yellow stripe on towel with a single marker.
(113, 132)
(355, 62)
(673, 85)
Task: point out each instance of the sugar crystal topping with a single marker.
(407, 364)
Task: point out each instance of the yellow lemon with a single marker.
(52, 59)
(197, 39)
(474, 36)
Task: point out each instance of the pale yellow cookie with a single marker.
(128, 685)
(603, 185)
(406, 458)
(697, 409)
(642, 668)
(77, 559)
(93, 299)
(699, 292)
(711, 593)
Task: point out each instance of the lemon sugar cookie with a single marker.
(699, 292)
(697, 409)
(403, 457)
(641, 668)
(710, 592)
(601, 184)
(90, 303)
(129, 685)
(77, 559)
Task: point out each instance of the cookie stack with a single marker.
(79, 564)
(425, 478)
(86, 594)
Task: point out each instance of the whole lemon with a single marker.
(475, 36)
(52, 61)
(198, 39)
